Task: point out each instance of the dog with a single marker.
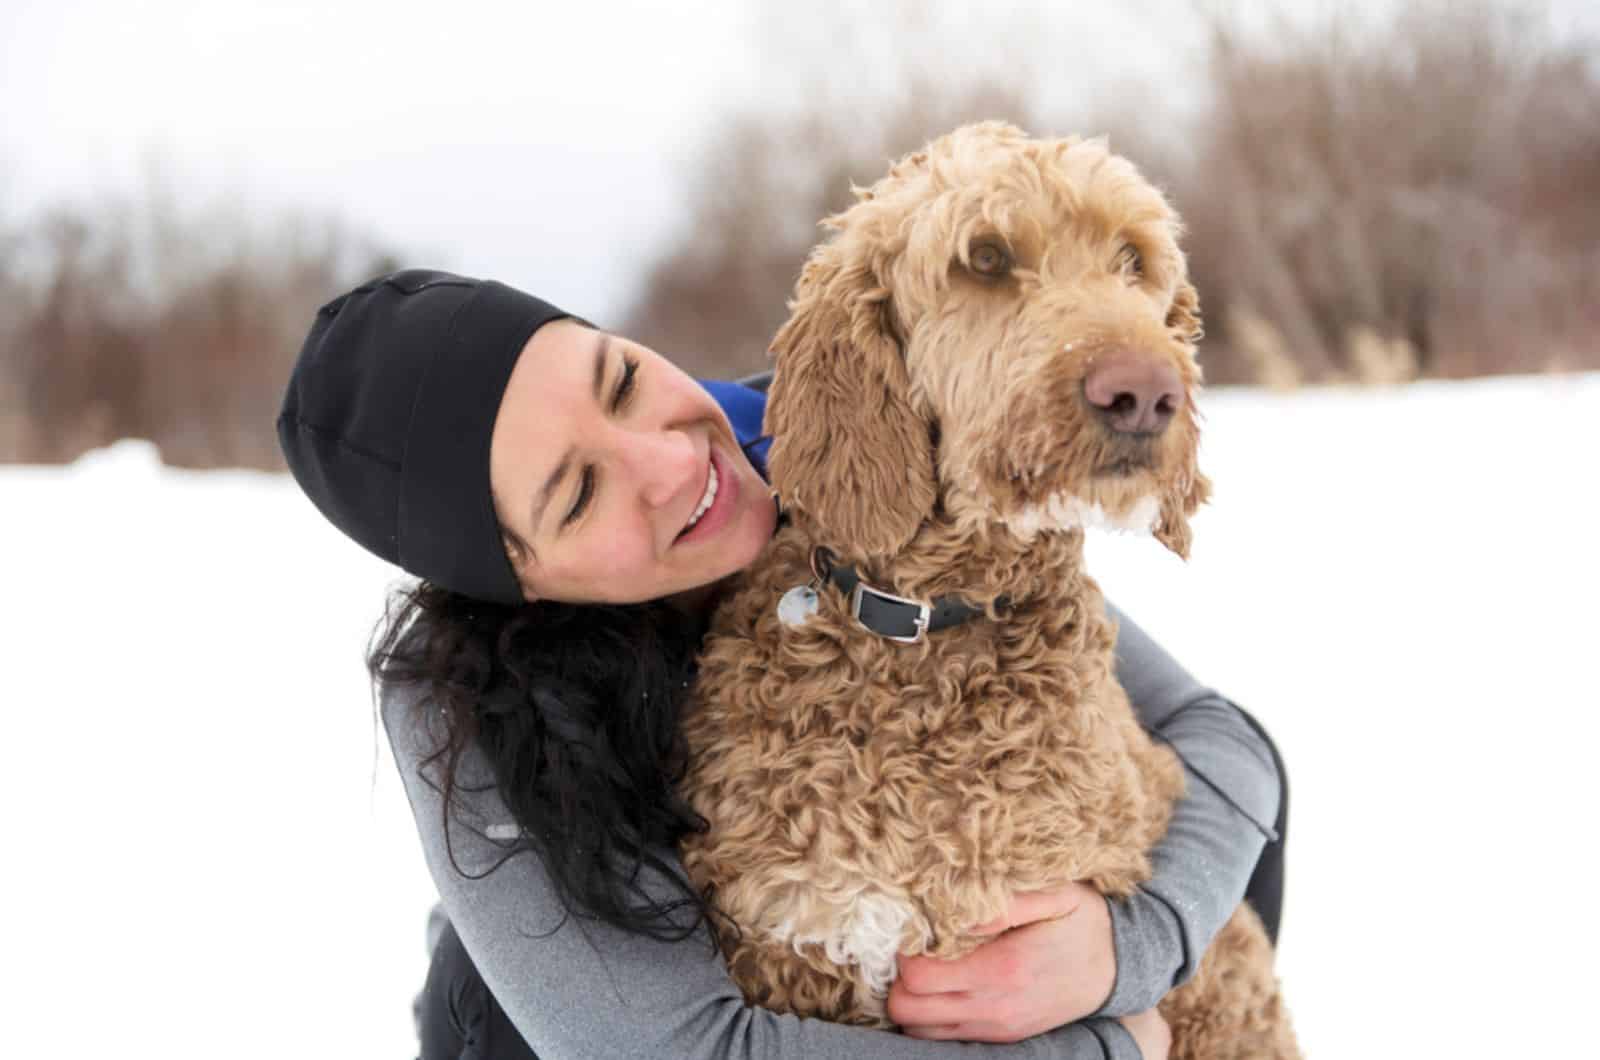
(994, 351)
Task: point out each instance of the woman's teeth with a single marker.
(705, 502)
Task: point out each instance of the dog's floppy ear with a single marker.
(1184, 316)
(1191, 489)
(848, 452)
(1177, 505)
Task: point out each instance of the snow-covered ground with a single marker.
(207, 859)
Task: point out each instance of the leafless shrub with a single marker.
(1420, 185)
(140, 320)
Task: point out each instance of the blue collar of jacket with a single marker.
(745, 407)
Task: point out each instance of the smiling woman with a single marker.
(573, 505)
(616, 477)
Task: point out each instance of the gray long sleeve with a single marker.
(580, 990)
(1218, 829)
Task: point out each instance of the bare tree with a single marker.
(138, 319)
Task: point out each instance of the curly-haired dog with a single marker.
(995, 349)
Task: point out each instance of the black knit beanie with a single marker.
(387, 420)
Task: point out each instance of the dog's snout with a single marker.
(1134, 393)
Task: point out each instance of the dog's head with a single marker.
(1004, 329)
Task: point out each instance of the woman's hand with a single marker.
(1052, 962)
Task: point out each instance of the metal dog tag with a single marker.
(797, 605)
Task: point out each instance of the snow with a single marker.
(1401, 584)
(199, 857)
(208, 842)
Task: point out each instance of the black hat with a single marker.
(387, 420)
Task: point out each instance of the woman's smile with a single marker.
(709, 496)
(717, 505)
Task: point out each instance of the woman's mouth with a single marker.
(722, 490)
(707, 500)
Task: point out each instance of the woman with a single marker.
(571, 502)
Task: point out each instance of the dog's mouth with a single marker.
(1124, 467)
(1127, 457)
(1120, 466)
(1115, 484)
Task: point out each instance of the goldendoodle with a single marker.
(995, 350)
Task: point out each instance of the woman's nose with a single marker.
(665, 463)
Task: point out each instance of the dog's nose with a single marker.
(1134, 393)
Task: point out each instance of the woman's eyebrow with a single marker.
(601, 347)
(541, 497)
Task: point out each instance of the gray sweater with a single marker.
(580, 990)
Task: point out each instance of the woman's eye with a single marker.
(585, 493)
(1130, 262)
(619, 397)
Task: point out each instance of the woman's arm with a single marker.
(578, 988)
(1218, 829)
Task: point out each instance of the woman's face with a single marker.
(603, 459)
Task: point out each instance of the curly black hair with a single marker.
(576, 710)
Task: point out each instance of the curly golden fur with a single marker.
(868, 797)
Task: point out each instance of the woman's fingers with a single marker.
(928, 1011)
(945, 1032)
(1038, 905)
(975, 1031)
(992, 966)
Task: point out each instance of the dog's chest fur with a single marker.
(873, 797)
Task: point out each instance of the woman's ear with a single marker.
(848, 452)
(517, 556)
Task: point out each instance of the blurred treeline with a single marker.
(148, 319)
(1411, 197)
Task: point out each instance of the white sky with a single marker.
(531, 141)
(543, 143)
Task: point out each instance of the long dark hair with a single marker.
(576, 710)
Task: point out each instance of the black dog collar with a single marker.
(893, 617)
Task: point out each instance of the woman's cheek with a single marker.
(634, 559)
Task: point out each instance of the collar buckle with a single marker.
(920, 618)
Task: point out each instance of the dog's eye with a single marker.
(1130, 263)
(989, 259)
